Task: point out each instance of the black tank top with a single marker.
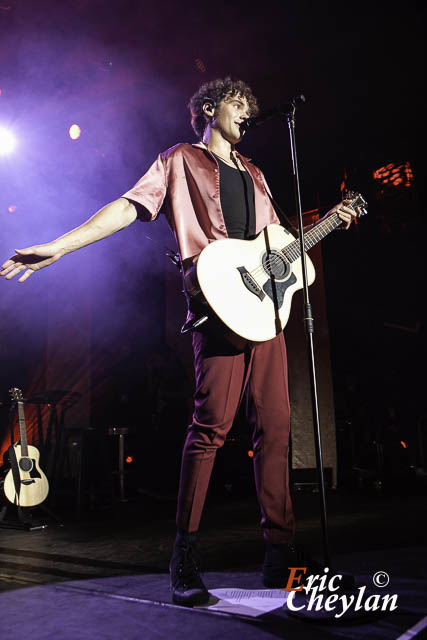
(237, 201)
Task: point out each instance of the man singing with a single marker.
(208, 191)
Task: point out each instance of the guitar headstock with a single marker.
(357, 200)
(16, 394)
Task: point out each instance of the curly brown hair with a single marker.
(215, 91)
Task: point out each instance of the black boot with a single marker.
(277, 560)
(280, 557)
(186, 584)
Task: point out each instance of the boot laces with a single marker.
(188, 566)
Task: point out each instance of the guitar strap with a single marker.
(284, 220)
(15, 471)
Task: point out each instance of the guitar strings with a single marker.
(274, 260)
(293, 247)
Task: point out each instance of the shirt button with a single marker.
(216, 170)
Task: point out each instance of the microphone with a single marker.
(280, 110)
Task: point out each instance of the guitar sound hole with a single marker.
(275, 265)
(25, 464)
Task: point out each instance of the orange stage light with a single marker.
(250, 453)
(129, 459)
(403, 444)
(393, 177)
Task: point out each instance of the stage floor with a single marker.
(104, 575)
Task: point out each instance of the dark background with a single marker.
(124, 71)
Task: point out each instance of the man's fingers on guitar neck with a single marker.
(348, 210)
(346, 219)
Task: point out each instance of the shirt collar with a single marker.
(202, 145)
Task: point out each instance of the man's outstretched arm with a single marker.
(112, 218)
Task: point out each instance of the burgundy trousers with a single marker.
(224, 374)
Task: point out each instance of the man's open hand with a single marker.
(30, 260)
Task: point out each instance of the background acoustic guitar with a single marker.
(33, 486)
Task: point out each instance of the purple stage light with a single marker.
(7, 141)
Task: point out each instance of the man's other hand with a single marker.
(30, 260)
(346, 212)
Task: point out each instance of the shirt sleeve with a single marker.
(267, 188)
(150, 191)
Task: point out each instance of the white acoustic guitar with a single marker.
(33, 485)
(249, 284)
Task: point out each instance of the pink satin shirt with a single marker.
(184, 181)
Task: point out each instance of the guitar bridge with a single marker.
(250, 283)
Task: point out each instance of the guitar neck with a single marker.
(22, 430)
(312, 237)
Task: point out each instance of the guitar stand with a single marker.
(23, 522)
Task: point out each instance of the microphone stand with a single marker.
(289, 113)
(347, 582)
